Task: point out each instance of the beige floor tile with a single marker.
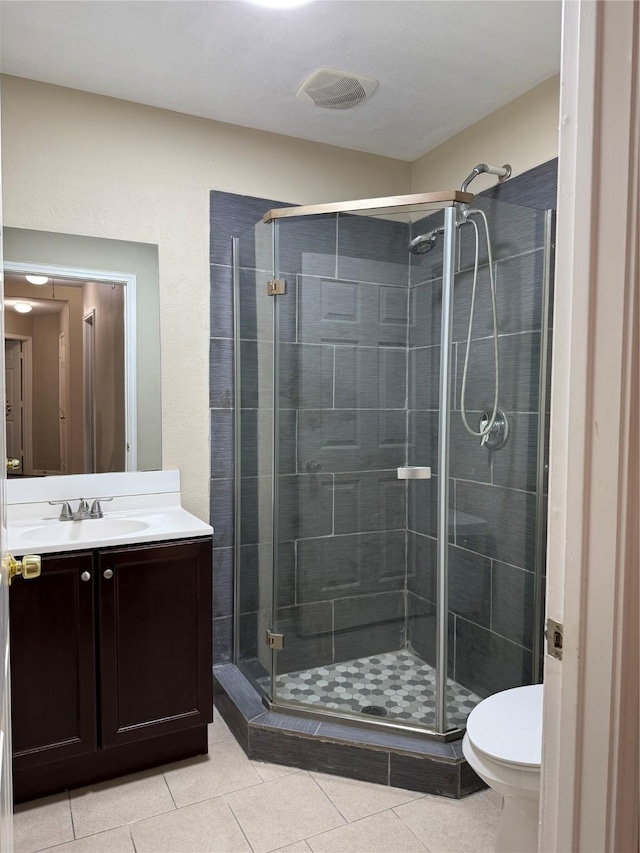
(113, 841)
(114, 803)
(218, 730)
(42, 823)
(494, 798)
(355, 800)
(296, 847)
(452, 826)
(207, 827)
(379, 833)
(268, 772)
(226, 768)
(277, 813)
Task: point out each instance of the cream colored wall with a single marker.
(18, 324)
(84, 164)
(524, 133)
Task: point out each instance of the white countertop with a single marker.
(145, 508)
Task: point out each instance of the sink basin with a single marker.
(87, 530)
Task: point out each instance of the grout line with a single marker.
(234, 816)
(73, 825)
(408, 826)
(169, 789)
(315, 781)
(502, 636)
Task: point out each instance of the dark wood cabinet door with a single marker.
(53, 662)
(155, 640)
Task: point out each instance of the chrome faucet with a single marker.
(65, 513)
(83, 512)
(96, 509)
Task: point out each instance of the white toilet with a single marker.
(503, 744)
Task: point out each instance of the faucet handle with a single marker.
(65, 512)
(96, 509)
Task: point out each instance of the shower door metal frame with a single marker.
(444, 423)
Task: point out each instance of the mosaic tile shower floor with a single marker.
(399, 683)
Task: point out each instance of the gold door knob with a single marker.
(13, 464)
(29, 566)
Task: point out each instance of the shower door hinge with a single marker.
(555, 636)
(276, 287)
(275, 641)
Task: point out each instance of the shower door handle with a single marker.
(414, 472)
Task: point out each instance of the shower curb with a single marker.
(414, 762)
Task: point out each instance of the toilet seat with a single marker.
(507, 727)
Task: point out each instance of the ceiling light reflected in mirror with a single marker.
(37, 279)
(23, 307)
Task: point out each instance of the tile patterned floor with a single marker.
(399, 683)
(225, 803)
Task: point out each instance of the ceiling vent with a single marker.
(332, 89)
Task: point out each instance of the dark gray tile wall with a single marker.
(358, 396)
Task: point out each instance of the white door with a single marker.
(6, 785)
(14, 401)
(62, 392)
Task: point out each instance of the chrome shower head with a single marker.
(424, 243)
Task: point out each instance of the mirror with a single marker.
(82, 349)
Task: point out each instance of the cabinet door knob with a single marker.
(108, 574)
(85, 576)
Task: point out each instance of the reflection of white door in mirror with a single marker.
(14, 401)
(88, 378)
(83, 325)
(62, 402)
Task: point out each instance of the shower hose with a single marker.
(484, 431)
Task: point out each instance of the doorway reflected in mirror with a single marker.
(65, 375)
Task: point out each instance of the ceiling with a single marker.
(441, 65)
(41, 297)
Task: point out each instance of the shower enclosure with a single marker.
(389, 566)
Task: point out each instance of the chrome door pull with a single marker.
(414, 472)
(108, 574)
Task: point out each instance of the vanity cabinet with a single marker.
(111, 664)
(155, 657)
(53, 662)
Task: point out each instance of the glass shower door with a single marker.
(498, 490)
(342, 551)
(254, 431)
